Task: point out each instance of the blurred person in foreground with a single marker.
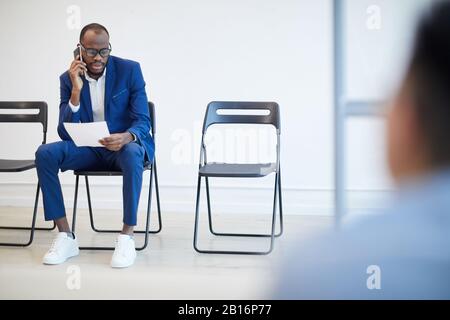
(405, 252)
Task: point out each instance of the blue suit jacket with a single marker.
(126, 104)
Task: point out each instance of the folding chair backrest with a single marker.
(41, 116)
(219, 112)
(151, 111)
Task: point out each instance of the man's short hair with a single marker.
(96, 27)
(430, 78)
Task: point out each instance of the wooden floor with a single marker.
(168, 269)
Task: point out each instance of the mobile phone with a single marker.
(77, 52)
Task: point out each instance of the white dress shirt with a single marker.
(97, 93)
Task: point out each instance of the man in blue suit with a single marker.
(98, 87)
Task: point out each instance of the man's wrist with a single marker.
(75, 97)
(74, 108)
(131, 137)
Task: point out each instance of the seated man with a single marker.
(98, 87)
(403, 253)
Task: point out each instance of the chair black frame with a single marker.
(213, 117)
(153, 174)
(24, 165)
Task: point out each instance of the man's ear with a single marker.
(412, 122)
(406, 142)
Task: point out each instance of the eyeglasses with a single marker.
(90, 52)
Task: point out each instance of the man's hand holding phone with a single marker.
(76, 70)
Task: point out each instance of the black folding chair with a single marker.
(153, 173)
(236, 170)
(23, 165)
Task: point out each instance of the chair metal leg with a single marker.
(158, 204)
(36, 201)
(31, 229)
(75, 202)
(88, 192)
(146, 232)
(197, 205)
(208, 203)
(272, 235)
(91, 216)
(211, 229)
(280, 201)
(147, 220)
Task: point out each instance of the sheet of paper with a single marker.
(87, 134)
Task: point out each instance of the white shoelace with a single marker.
(55, 244)
(121, 248)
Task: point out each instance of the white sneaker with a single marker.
(63, 247)
(125, 252)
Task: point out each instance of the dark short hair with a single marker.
(93, 26)
(429, 73)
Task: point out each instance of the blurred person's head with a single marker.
(419, 120)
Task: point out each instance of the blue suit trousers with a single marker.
(64, 155)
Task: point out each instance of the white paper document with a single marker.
(87, 134)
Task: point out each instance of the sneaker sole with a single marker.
(121, 266)
(51, 263)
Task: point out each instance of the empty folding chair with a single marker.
(153, 174)
(7, 165)
(215, 115)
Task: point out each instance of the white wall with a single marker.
(193, 52)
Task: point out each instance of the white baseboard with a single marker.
(224, 199)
